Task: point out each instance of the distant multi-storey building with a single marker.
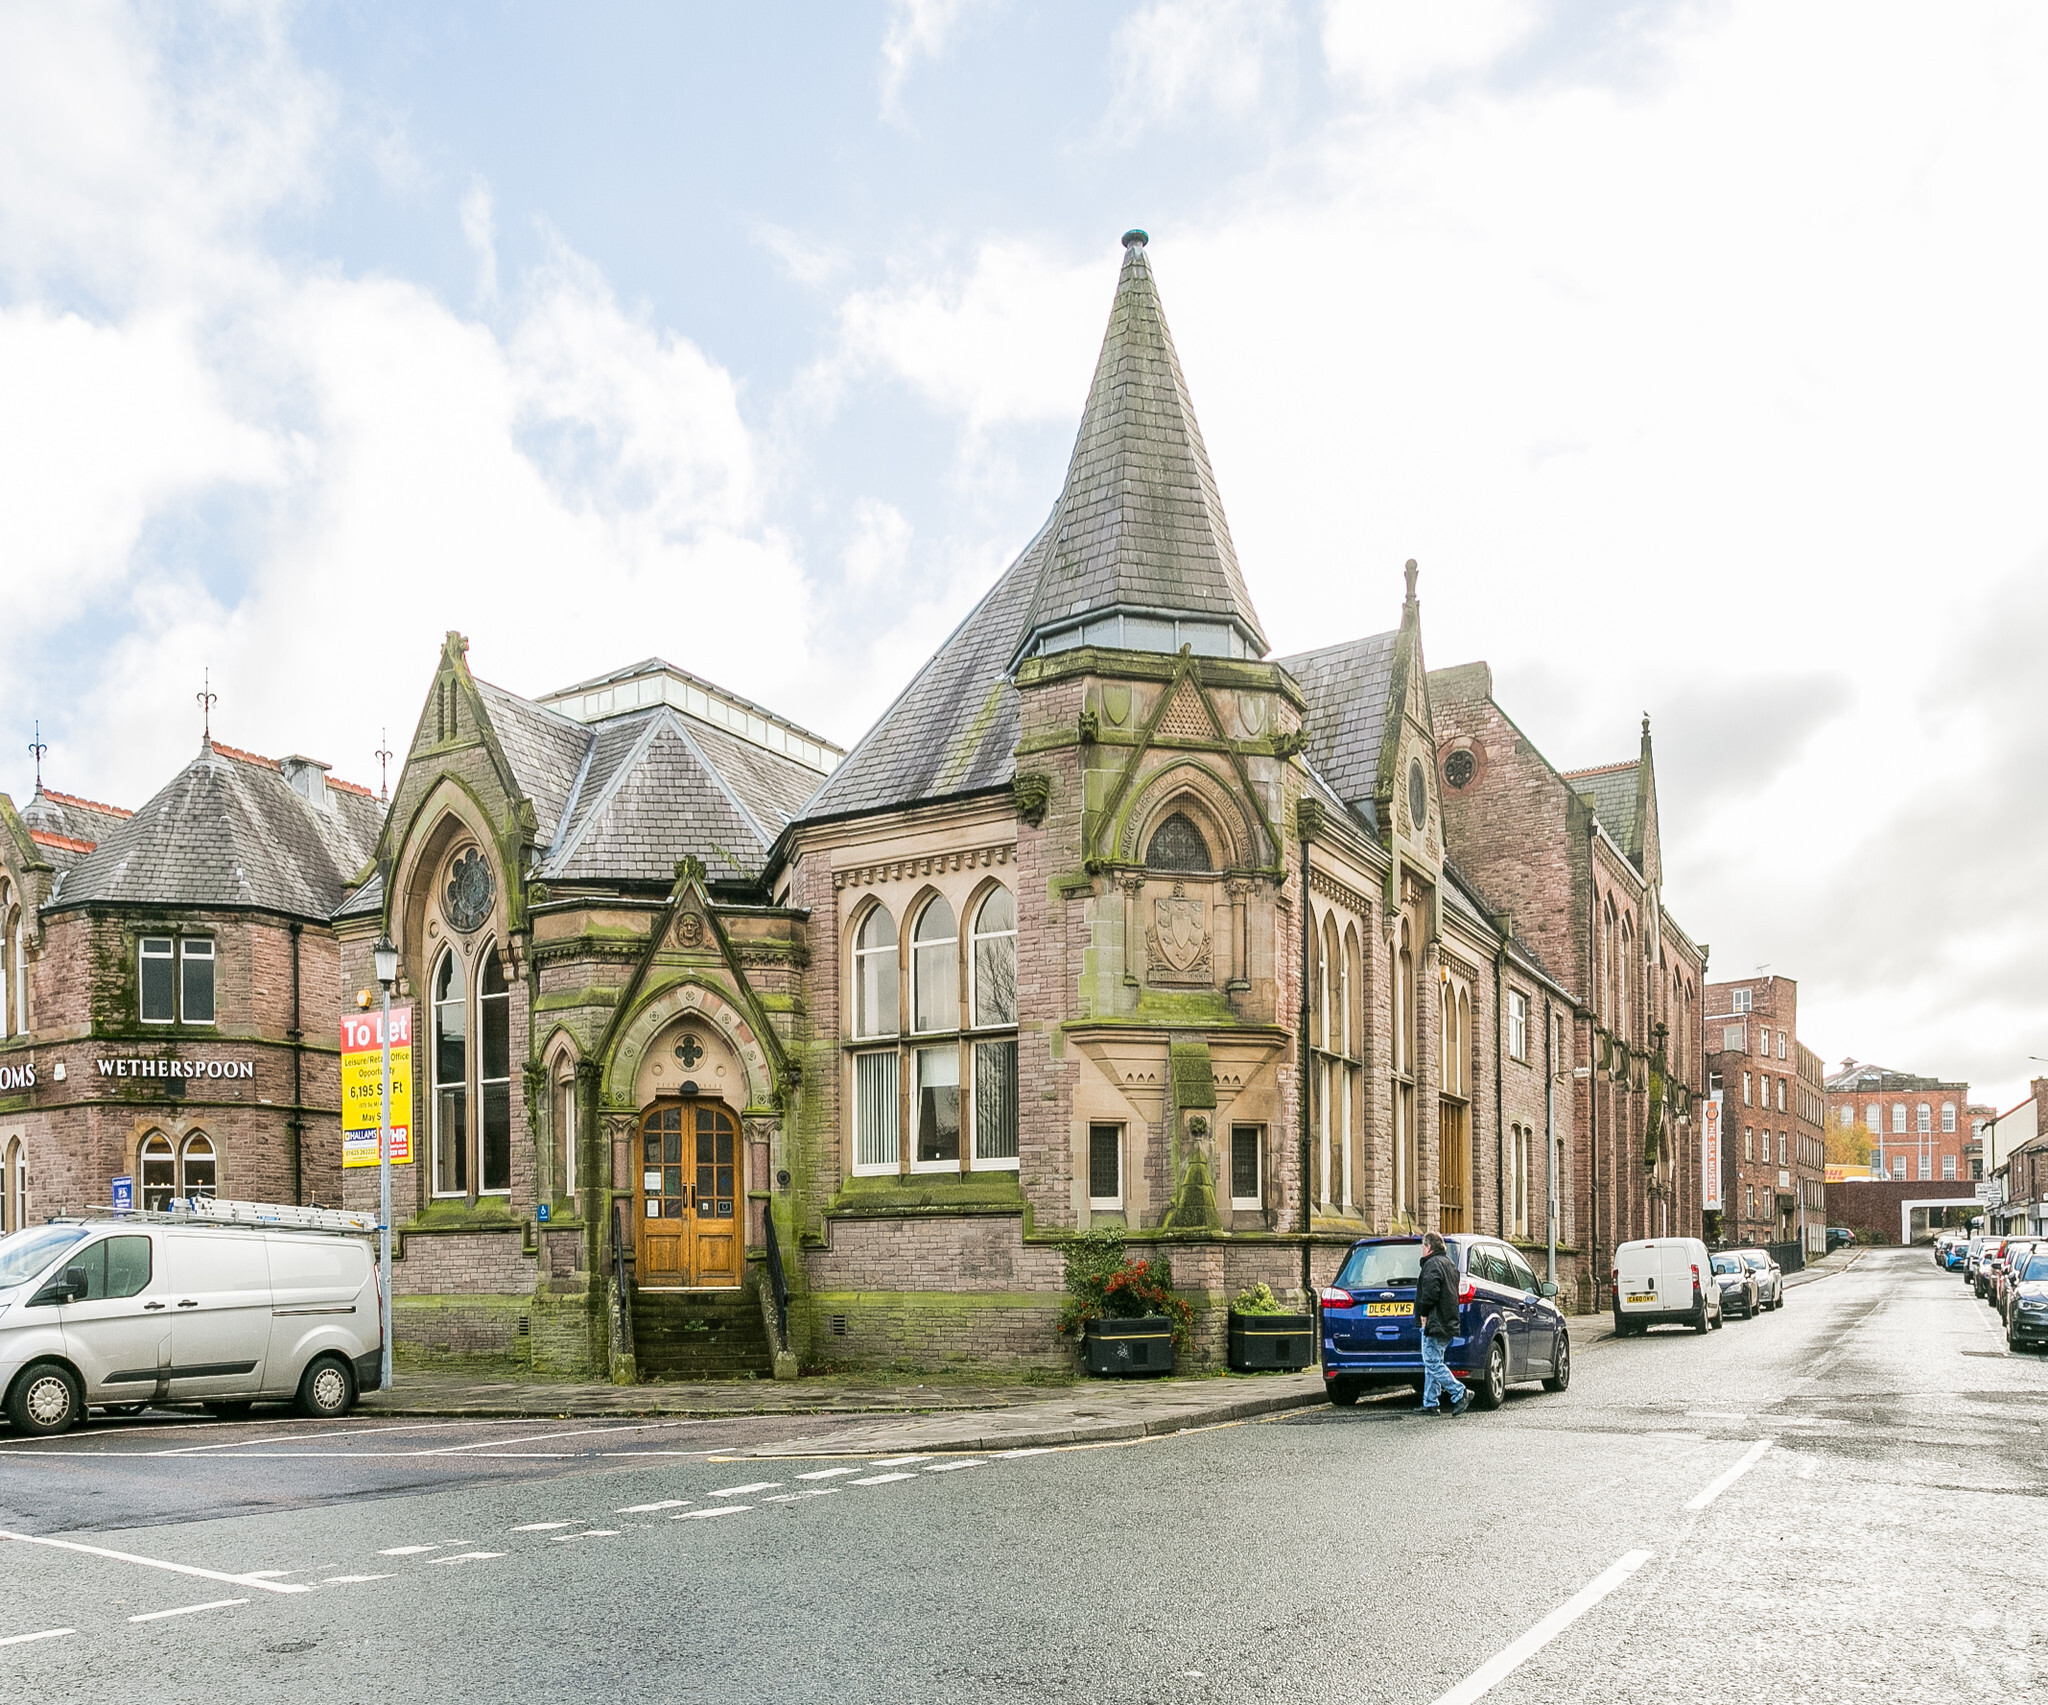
(1773, 1102)
(1920, 1127)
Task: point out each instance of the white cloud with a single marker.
(1383, 48)
(918, 29)
(876, 554)
(1176, 55)
(480, 231)
(810, 264)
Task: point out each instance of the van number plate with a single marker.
(1389, 1308)
(1642, 1296)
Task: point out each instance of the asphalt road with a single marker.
(1841, 1499)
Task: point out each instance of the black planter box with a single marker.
(1261, 1343)
(1128, 1347)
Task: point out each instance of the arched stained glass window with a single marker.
(1178, 845)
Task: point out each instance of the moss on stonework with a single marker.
(929, 1193)
(1201, 1009)
(595, 995)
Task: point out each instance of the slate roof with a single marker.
(1613, 789)
(1139, 524)
(1345, 688)
(544, 748)
(229, 830)
(67, 828)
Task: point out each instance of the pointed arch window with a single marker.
(159, 1172)
(935, 969)
(472, 1053)
(563, 1116)
(874, 975)
(451, 1077)
(14, 1189)
(1178, 845)
(10, 928)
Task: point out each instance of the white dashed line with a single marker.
(880, 1479)
(827, 1473)
(27, 1639)
(742, 1491)
(467, 1557)
(706, 1515)
(541, 1526)
(1707, 1494)
(187, 1610)
(1035, 1450)
(899, 1461)
(351, 1580)
(1499, 1667)
(407, 1550)
(798, 1497)
(948, 1467)
(643, 1509)
(592, 1533)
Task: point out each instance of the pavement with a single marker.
(1803, 1507)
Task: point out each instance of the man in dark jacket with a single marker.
(1436, 1306)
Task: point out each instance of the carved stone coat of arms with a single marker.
(1179, 947)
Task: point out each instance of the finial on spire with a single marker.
(36, 750)
(207, 699)
(383, 756)
(1646, 725)
(1410, 572)
(1135, 238)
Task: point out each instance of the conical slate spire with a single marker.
(1138, 531)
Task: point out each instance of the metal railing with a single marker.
(619, 1268)
(778, 1282)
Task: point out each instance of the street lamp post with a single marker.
(385, 957)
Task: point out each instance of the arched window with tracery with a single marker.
(562, 1116)
(159, 1172)
(1407, 1153)
(1177, 844)
(14, 1188)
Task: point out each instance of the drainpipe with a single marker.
(1302, 1078)
(298, 1119)
(1550, 1136)
(1500, 1206)
(1592, 1238)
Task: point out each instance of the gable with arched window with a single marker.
(950, 1026)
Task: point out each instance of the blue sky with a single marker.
(1694, 350)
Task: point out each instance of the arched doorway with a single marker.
(689, 1197)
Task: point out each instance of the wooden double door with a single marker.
(690, 1216)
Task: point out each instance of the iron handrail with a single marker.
(778, 1282)
(619, 1265)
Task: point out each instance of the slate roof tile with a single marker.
(1345, 688)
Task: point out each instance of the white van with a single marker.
(118, 1312)
(1664, 1279)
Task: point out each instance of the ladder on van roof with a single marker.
(275, 1216)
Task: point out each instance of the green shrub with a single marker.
(1259, 1299)
(1104, 1284)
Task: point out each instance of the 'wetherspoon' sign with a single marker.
(136, 1066)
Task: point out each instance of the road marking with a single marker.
(1506, 1662)
(46, 1634)
(948, 1467)
(156, 1563)
(827, 1473)
(541, 1526)
(188, 1610)
(880, 1479)
(467, 1557)
(292, 1438)
(539, 1438)
(351, 1580)
(407, 1550)
(643, 1509)
(592, 1533)
(750, 1486)
(899, 1461)
(798, 1497)
(1035, 1450)
(706, 1515)
(1714, 1489)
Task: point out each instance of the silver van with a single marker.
(117, 1312)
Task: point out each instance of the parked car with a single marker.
(2003, 1282)
(1770, 1277)
(1736, 1283)
(1987, 1259)
(1509, 1325)
(2027, 1325)
(115, 1313)
(1840, 1237)
(1971, 1256)
(1664, 1279)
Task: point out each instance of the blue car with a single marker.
(1510, 1327)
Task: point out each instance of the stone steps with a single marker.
(700, 1335)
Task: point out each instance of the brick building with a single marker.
(1773, 1104)
(1110, 921)
(2018, 1143)
(1574, 857)
(173, 988)
(1919, 1127)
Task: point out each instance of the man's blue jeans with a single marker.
(1437, 1378)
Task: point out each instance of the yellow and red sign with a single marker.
(362, 1086)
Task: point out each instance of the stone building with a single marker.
(1574, 857)
(1773, 1106)
(1919, 1127)
(1110, 921)
(173, 987)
